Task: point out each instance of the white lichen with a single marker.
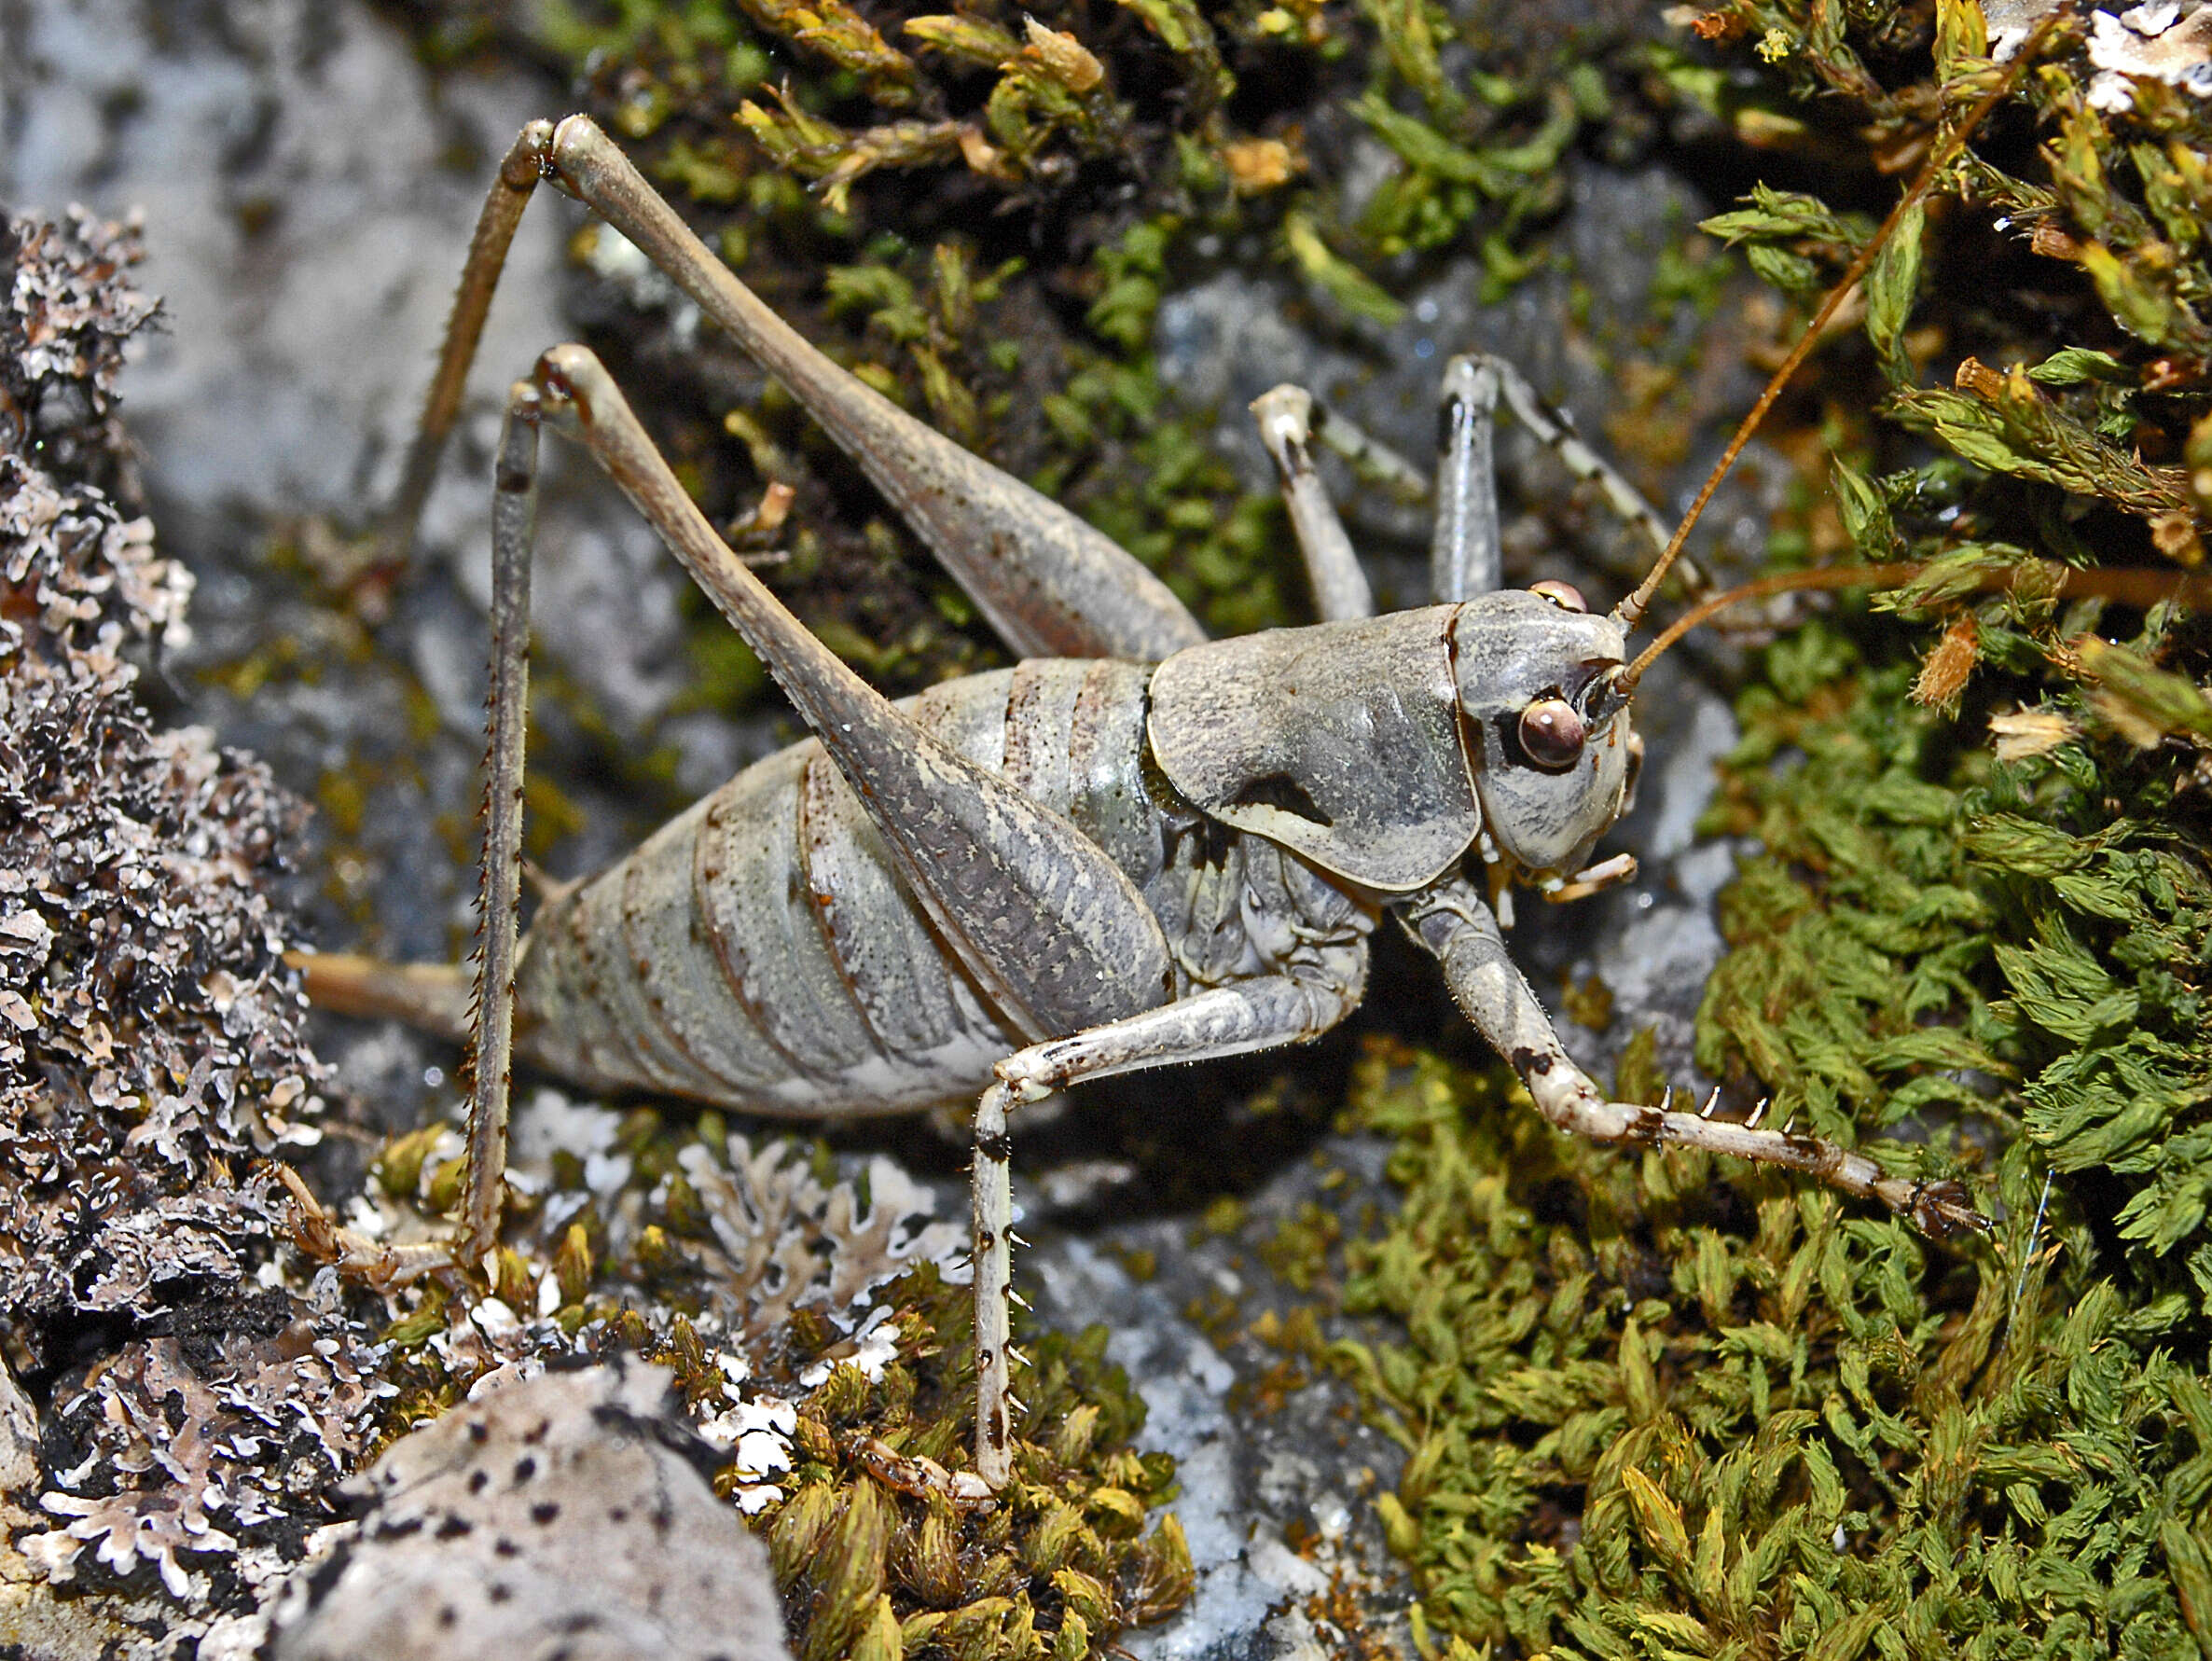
(200, 1400)
(2161, 41)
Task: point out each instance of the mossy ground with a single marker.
(1666, 1405)
(737, 1266)
(1652, 1406)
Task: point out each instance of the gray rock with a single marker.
(565, 1516)
(18, 1439)
(305, 221)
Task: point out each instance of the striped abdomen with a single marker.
(758, 952)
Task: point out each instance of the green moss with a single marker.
(1660, 1404)
(1663, 1405)
(1930, 930)
(1063, 1563)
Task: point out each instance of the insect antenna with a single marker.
(1631, 610)
(1787, 582)
(2138, 589)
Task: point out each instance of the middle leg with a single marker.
(1231, 1020)
(1464, 556)
(1287, 416)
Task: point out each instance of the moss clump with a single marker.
(2017, 931)
(1930, 931)
(804, 1316)
(871, 1564)
(1690, 1409)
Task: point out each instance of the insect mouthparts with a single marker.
(1608, 694)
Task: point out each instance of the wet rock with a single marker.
(565, 1515)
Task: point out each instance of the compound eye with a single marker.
(1552, 733)
(1566, 596)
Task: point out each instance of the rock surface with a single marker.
(568, 1516)
(307, 189)
(1277, 1481)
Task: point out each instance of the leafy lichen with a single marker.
(196, 1398)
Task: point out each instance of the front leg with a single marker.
(1452, 921)
(1229, 1020)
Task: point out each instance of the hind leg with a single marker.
(1050, 584)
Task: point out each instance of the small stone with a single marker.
(567, 1514)
(18, 1439)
